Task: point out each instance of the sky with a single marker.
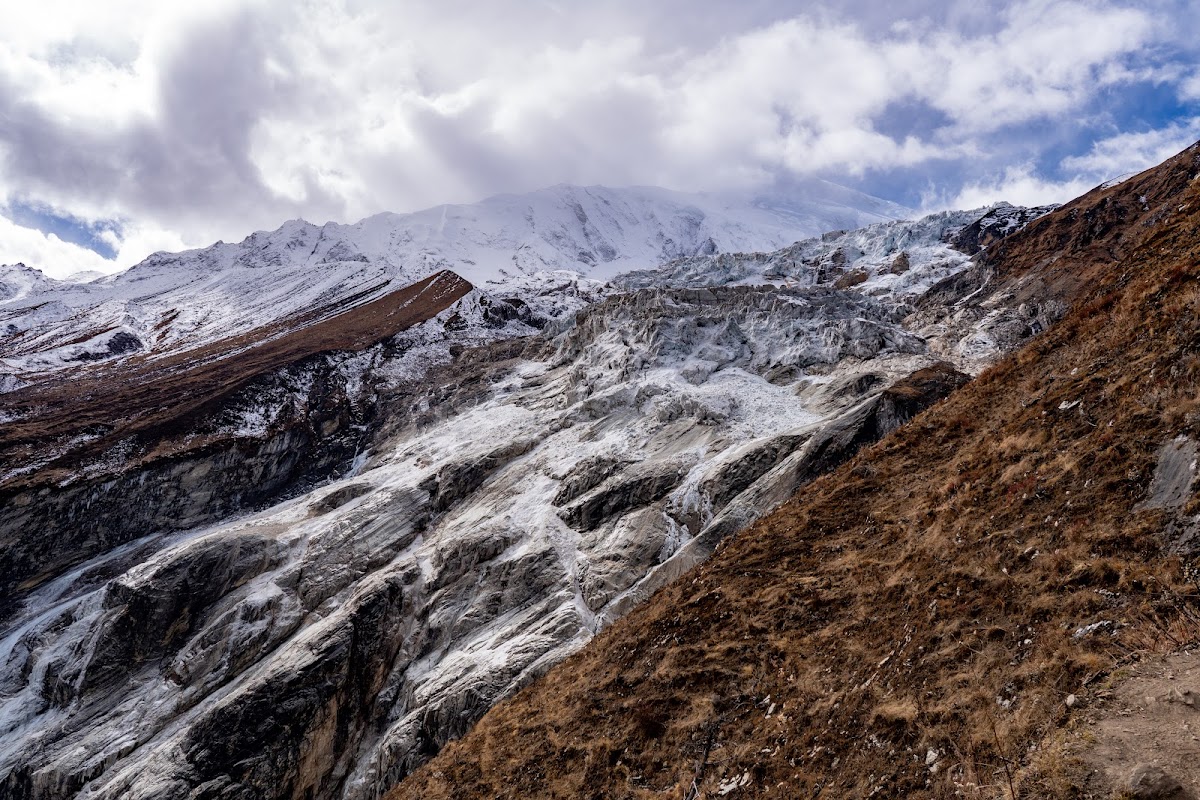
(131, 126)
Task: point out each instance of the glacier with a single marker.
(524, 482)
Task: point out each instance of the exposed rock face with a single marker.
(1170, 490)
(633, 488)
(999, 222)
(516, 499)
(195, 439)
(1173, 475)
(229, 473)
(585, 476)
(938, 596)
(1148, 782)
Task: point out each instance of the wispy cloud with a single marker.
(1111, 158)
(1127, 153)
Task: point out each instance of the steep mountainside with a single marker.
(934, 618)
(498, 505)
(262, 365)
(196, 427)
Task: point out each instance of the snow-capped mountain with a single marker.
(491, 508)
(551, 248)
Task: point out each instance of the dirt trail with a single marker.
(1147, 713)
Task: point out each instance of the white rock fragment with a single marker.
(730, 785)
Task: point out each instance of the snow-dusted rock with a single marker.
(520, 494)
(336, 640)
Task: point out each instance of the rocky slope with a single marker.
(515, 498)
(194, 436)
(929, 619)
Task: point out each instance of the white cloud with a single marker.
(1127, 153)
(1113, 158)
(1189, 88)
(1020, 185)
(60, 259)
(47, 252)
(206, 121)
(1038, 63)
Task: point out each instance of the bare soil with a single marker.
(1146, 713)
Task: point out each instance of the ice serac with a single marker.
(511, 493)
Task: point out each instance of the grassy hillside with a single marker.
(912, 624)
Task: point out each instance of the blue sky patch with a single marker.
(66, 227)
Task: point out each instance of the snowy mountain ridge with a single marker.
(495, 502)
(551, 248)
(877, 259)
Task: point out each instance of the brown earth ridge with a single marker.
(915, 623)
(158, 396)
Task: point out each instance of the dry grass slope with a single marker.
(907, 626)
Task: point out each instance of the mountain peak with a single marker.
(512, 245)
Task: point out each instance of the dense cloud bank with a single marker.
(148, 125)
